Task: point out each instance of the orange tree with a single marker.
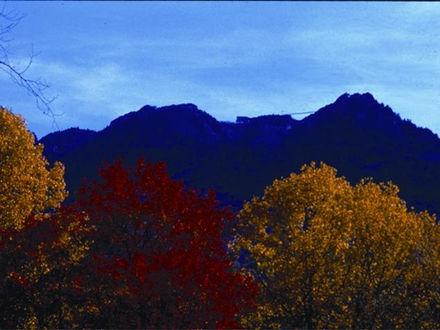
(41, 246)
(27, 185)
(158, 258)
(330, 255)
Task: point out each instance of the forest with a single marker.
(137, 248)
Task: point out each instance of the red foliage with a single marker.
(159, 252)
(37, 273)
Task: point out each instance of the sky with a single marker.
(104, 59)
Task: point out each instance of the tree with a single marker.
(159, 258)
(27, 185)
(40, 245)
(41, 271)
(330, 255)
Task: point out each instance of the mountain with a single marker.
(363, 138)
(57, 145)
(356, 134)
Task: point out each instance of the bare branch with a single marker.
(8, 21)
(34, 87)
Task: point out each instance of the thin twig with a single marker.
(34, 87)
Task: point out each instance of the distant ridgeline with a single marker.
(355, 134)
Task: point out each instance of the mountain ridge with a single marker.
(356, 134)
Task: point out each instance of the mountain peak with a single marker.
(59, 143)
(73, 132)
(355, 104)
(357, 98)
(168, 113)
(355, 111)
(181, 107)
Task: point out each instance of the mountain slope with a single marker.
(356, 134)
(57, 145)
(363, 138)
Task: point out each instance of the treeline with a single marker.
(137, 249)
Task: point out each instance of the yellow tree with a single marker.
(27, 185)
(330, 255)
(40, 252)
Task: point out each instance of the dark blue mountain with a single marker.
(57, 145)
(358, 135)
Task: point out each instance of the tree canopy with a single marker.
(27, 184)
(332, 255)
(159, 259)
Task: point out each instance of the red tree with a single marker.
(159, 255)
(40, 265)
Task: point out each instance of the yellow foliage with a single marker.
(330, 255)
(26, 184)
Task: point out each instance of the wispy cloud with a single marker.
(229, 59)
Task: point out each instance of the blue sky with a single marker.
(103, 59)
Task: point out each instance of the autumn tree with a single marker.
(159, 258)
(27, 184)
(41, 246)
(330, 255)
(41, 271)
